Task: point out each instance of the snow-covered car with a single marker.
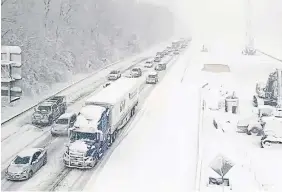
(63, 123)
(148, 64)
(251, 125)
(152, 78)
(114, 75)
(26, 164)
(157, 59)
(272, 133)
(136, 72)
(48, 111)
(160, 67)
(176, 52)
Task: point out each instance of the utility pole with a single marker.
(249, 47)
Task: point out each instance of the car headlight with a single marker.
(25, 171)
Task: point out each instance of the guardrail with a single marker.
(57, 93)
(89, 76)
(200, 128)
(273, 57)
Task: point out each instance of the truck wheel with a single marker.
(132, 111)
(50, 120)
(115, 134)
(109, 141)
(113, 137)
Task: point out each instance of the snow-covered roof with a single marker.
(66, 115)
(91, 112)
(152, 73)
(87, 120)
(115, 92)
(28, 152)
(46, 103)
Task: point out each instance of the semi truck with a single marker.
(99, 122)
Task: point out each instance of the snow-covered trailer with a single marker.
(121, 98)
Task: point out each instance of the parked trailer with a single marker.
(99, 121)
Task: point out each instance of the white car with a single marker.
(136, 72)
(114, 75)
(26, 163)
(152, 78)
(63, 123)
(148, 64)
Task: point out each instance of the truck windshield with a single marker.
(135, 70)
(62, 121)
(83, 136)
(44, 108)
(152, 76)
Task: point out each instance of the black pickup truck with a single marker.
(50, 110)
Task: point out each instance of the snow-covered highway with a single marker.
(160, 152)
(54, 174)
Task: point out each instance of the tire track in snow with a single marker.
(44, 139)
(82, 178)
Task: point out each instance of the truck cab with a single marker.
(88, 138)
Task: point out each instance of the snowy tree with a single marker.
(62, 38)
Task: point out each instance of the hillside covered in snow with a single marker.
(62, 38)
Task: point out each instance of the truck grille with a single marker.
(77, 159)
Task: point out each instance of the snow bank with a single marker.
(254, 169)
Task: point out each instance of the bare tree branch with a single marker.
(3, 34)
(8, 20)
(47, 9)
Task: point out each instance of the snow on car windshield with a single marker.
(21, 160)
(44, 108)
(114, 72)
(62, 121)
(83, 136)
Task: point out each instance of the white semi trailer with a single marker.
(99, 121)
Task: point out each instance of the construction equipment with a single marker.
(271, 93)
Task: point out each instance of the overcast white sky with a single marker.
(213, 20)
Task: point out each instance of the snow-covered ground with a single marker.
(255, 169)
(160, 151)
(51, 174)
(26, 102)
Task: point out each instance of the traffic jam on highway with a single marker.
(90, 133)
